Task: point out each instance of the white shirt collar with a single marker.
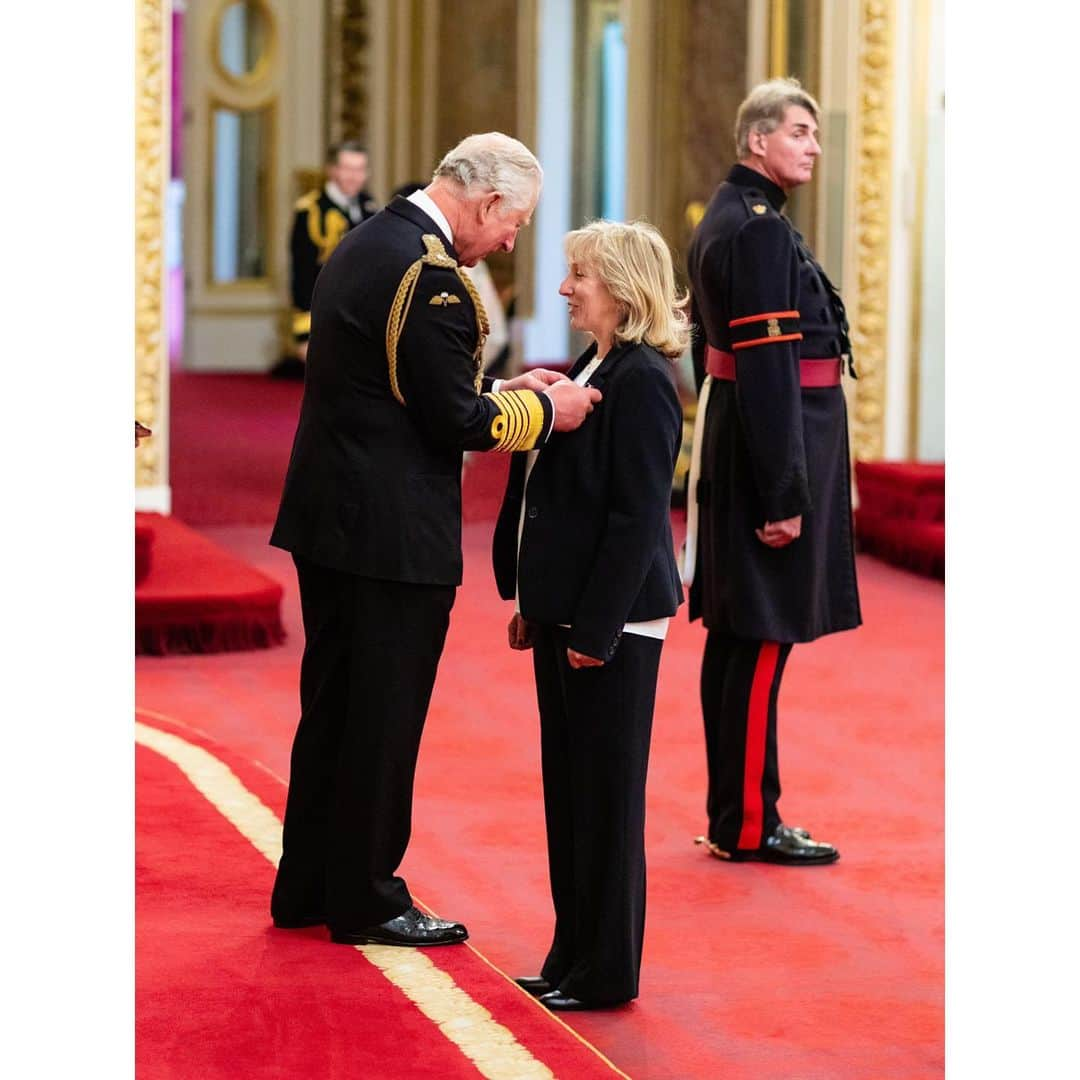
(338, 195)
(426, 203)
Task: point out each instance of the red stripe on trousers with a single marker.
(757, 729)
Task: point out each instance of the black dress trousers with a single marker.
(595, 726)
(740, 683)
(372, 650)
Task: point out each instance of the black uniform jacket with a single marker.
(318, 226)
(772, 450)
(596, 548)
(374, 482)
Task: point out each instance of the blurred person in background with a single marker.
(323, 216)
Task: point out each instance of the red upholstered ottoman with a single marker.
(144, 544)
(902, 489)
(901, 513)
(198, 598)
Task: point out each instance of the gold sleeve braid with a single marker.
(520, 420)
(435, 255)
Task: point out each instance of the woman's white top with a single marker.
(653, 628)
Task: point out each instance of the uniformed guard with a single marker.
(323, 216)
(769, 541)
(371, 513)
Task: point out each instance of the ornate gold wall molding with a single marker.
(152, 59)
(354, 70)
(873, 184)
(348, 70)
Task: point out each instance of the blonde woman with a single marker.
(583, 544)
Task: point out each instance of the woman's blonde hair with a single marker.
(634, 263)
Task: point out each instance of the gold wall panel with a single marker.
(477, 77)
(525, 84)
(151, 170)
(476, 87)
(714, 81)
(687, 78)
(873, 192)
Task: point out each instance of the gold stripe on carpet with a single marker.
(214, 780)
(489, 1045)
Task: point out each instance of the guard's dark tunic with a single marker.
(772, 449)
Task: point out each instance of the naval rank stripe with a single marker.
(766, 329)
(519, 422)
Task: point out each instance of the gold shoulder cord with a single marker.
(435, 255)
(326, 235)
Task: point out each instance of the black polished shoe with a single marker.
(299, 922)
(411, 927)
(557, 1001)
(535, 985)
(786, 846)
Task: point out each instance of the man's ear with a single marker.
(489, 204)
(756, 142)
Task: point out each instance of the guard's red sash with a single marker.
(812, 372)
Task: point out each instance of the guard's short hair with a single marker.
(634, 262)
(480, 164)
(349, 146)
(764, 107)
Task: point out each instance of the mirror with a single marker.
(243, 37)
(240, 194)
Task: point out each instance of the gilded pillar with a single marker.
(873, 194)
(152, 81)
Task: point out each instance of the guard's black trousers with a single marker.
(595, 725)
(370, 655)
(740, 682)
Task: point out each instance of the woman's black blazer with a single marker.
(596, 548)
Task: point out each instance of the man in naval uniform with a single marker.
(323, 216)
(769, 550)
(371, 513)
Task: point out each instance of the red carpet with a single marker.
(220, 993)
(229, 443)
(191, 596)
(750, 971)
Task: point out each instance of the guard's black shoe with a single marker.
(535, 985)
(411, 927)
(557, 1001)
(299, 922)
(787, 846)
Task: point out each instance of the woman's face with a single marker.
(592, 308)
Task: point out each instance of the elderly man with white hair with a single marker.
(371, 513)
